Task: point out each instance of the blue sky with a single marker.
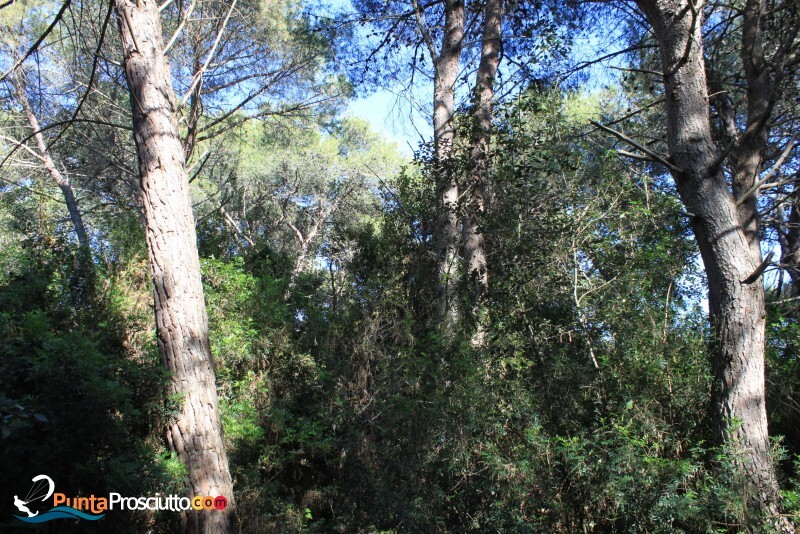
(390, 117)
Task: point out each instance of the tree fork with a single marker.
(723, 234)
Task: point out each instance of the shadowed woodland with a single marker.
(403, 266)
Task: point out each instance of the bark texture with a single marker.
(725, 234)
(748, 154)
(474, 242)
(195, 431)
(764, 76)
(447, 195)
(75, 217)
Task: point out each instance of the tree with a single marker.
(14, 37)
(436, 31)
(195, 431)
(477, 194)
(237, 61)
(446, 68)
(726, 233)
(47, 160)
(452, 35)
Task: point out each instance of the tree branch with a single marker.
(770, 174)
(636, 145)
(56, 125)
(41, 38)
(199, 74)
(759, 270)
(91, 76)
(180, 26)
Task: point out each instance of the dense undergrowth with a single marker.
(345, 411)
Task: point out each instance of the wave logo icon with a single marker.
(41, 490)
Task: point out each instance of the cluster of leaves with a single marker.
(82, 384)
(586, 410)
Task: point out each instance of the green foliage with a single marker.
(586, 410)
(344, 409)
(78, 399)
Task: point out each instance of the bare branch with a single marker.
(235, 226)
(759, 270)
(179, 29)
(425, 30)
(39, 41)
(56, 125)
(636, 145)
(199, 74)
(91, 76)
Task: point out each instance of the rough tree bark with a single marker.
(724, 233)
(195, 431)
(18, 80)
(746, 158)
(476, 193)
(447, 64)
(764, 77)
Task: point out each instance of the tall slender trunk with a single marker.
(763, 78)
(473, 238)
(195, 431)
(60, 179)
(790, 246)
(748, 155)
(724, 235)
(446, 238)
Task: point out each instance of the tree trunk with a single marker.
(299, 264)
(446, 186)
(736, 301)
(748, 155)
(790, 246)
(62, 181)
(763, 80)
(195, 431)
(473, 238)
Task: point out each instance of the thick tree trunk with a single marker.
(724, 234)
(61, 180)
(474, 242)
(446, 187)
(195, 431)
